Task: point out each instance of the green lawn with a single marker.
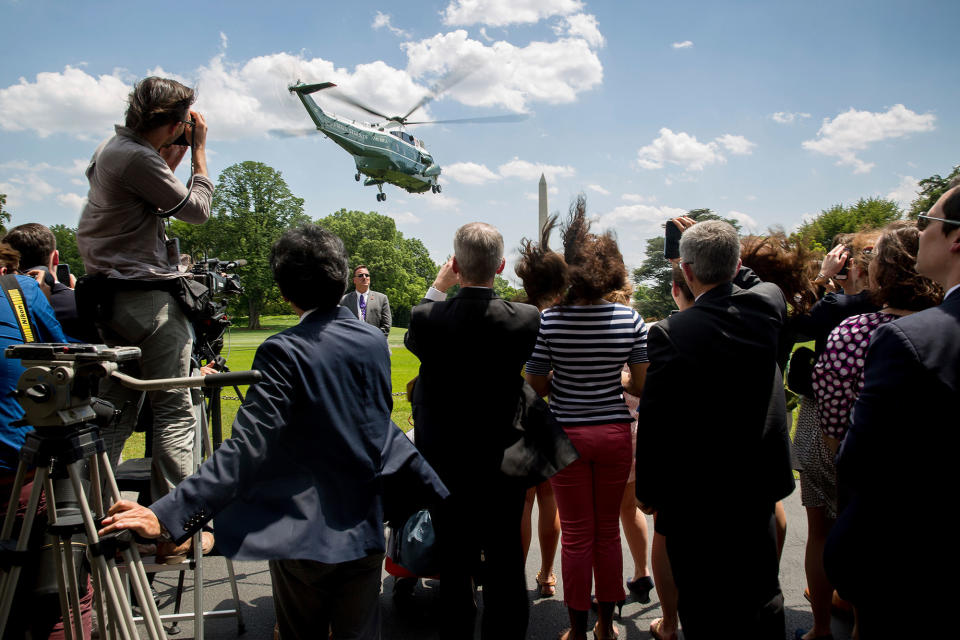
(240, 345)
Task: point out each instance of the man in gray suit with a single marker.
(370, 306)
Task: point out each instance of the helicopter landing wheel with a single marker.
(357, 176)
(381, 197)
(439, 188)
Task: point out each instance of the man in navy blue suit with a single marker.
(899, 455)
(300, 482)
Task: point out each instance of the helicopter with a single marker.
(383, 152)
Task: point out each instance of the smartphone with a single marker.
(842, 274)
(671, 245)
(63, 273)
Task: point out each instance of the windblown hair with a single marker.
(784, 262)
(623, 295)
(9, 257)
(861, 248)
(594, 262)
(35, 243)
(155, 102)
(894, 269)
(543, 271)
(310, 265)
(478, 248)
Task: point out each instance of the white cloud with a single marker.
(751, 198)
(469, 173)
(597, 188)
(853, 131)
(223, 41)
(638, 217)
(441, 202)
(403, 217)
(524, 170)
(787, 117)
(737, 145)
(28, 187)
(636, 197)
(72, 102)
(73, 201)
(905, 192)
(678, 148)
(483, 34)
(686, 44)
(499, 13)
(747, 222)
(582, 25)
(507, 75)
(382, 20)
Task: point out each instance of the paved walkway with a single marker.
(417, 619)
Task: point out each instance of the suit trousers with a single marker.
(153, 321)
(589, 492)
(311, 597)
(482, 516)
(728, 576)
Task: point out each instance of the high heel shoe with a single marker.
(640, 588)
(546, 588)
(594, 604)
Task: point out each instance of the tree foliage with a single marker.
(930, 191)
(252, 206)
(4, 214)
(654, 277)
(67, 246)
(400, 267)
(866, 213)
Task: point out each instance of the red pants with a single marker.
(588, 495)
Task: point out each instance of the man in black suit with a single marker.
(710, 460)
(899, 454)
(370, 306)
(301, 481)
(471, 350)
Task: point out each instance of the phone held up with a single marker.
(63, 273)
(671, 245)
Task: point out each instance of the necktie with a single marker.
(363, 307)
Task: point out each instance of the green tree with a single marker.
(252, 206)
(654, 277)
(4, 214)
(67, 246)
(930, 191)
(866, 213)
(400, 267)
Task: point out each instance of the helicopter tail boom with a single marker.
(304, 89)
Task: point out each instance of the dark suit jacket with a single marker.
(471, 349)
(899, 454)
(301, 478)
(709, 437)
(378, 309)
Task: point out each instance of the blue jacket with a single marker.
(41, 315)
(303, 475)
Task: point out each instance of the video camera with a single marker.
(217, 276)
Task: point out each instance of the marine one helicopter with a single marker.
(383, 152)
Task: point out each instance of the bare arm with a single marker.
(540, 384)
(634, 381)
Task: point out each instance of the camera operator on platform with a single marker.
(135, 281)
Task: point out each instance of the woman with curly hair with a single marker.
(581, 348)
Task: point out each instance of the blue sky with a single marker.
(765, 111)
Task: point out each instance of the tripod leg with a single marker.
(9, 586)
(241, 627)
(11, 516)
(66, 573)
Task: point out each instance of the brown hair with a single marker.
(623, 295)
(594, 261)
(676, 276)
(894, 269)
(784, 262)
(862, 247)
(9, 257)
(951, 207)
(35, 243)
(155, 102)
(358, 267)
(543, 272)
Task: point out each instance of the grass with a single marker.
(240, 345)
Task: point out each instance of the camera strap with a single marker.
(18, 304)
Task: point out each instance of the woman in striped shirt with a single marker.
(581, 349)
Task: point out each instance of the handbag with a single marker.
(414, 546)
(800, 371)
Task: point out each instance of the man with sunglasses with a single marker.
(898, 457)
(133, 268)
(367, 305)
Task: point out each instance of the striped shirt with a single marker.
(586, 347)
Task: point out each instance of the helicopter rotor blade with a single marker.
(342, 97)
(291, 133)
(451, 78)
(516, 117)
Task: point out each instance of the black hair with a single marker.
(310, 265)
(35, 243)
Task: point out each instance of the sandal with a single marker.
(659, 635)
(597, 636)
(547, 588)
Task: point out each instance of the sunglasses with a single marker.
(362, 275)
(923, 221)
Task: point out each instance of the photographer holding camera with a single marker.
(135, 288)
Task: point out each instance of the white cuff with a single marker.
(435, 294)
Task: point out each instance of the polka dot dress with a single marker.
(838, 374)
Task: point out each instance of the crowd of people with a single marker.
(687, 419)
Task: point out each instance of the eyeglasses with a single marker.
(189, 122)
(923, 221)
(362, 275)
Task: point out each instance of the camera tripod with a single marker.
(54, 392)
